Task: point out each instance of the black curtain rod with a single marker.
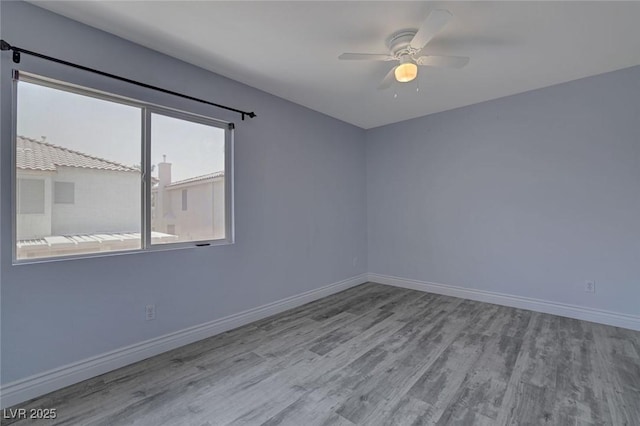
(16, 58)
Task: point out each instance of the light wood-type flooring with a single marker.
(376, 355)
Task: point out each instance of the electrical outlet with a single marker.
(150, 312)
(590, 286)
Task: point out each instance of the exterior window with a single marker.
(98, 155)
(64, 192)
(30, 196)
(191, 178)
(81, 186)
(184, 200)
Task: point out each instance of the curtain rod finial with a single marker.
(4, 45)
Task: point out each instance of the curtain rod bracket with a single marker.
(16, 58)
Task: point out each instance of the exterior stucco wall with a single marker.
(204, 217)
(105, 201)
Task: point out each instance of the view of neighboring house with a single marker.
(61, 191)
(69, 202)
(192, 209)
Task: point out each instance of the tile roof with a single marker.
(39, 155)
(197, 179)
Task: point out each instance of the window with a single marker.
(106, 173)
(64, 193)
(30, 196)
(184, 200)
(190, 191)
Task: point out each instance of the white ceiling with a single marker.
(290, 49)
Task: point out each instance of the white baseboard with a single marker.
(43, 383)
(562, 309)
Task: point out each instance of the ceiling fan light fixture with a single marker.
(406, 46)
(406, 72)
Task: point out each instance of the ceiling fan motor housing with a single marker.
(399, 43)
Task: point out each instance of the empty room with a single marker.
(319, 213)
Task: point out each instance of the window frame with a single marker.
(147, 109)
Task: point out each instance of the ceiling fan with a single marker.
(407, 48)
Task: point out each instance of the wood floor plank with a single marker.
(395, 363)
(375, 355)
(481, 346)
(309, 310)
(335, 338)
(438, 385)
(621, 375)
(576, 401)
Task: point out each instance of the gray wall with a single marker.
(300, 209)
(528, 195)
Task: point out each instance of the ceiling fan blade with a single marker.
(442, 61)
(431, 26)
(388, 79)
(366, 57)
